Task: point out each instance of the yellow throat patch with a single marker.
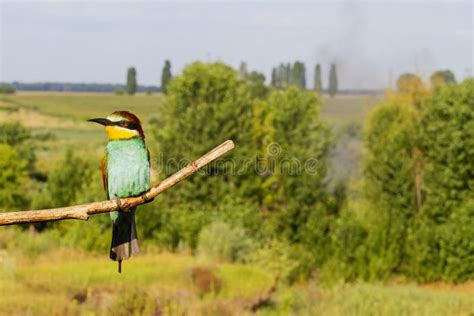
(117, 133)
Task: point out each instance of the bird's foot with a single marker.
(119, 204)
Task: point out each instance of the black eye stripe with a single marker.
(126, 124)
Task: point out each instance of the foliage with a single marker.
(286, 74)
(276, 257)
(13, 178)
(65, 184)
(256, 84)
(442, 78)
(131, 86)
(19, 137)
(333, 82)
(166, 76)
(388, 168)
(409, 83)
(6, 88)
(318, 84)
(282, 77)
(449, 167)
(222, 242)
(273, 80)
(278, 169)
(211, 97)
(299, 141)
(298, 75)
(419, 187)
(243, 71)
(448, 186)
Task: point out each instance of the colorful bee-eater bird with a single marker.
(125, 173)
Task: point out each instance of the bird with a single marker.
(125, 173)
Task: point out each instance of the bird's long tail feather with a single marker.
(124, 237)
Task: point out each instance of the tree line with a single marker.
(287, 74)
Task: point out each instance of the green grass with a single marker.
(52, 283)
(347, 109)
(82, 106)
(375, 299)
(64, 281)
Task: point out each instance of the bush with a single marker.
(222, 242)
(417, 185)
(6, 89)
(13, 178)
(276, 257)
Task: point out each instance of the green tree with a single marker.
(287, 74)
(16, 135)
(449, 167)
(13, 179)
(6, 88)
(66, 183)
(333, 82)
(418, 188)
(442, 78)
(439, 247)
(166, 76)
(278, 169)
(131, 87)
(256, 84)
(409, 83)
(243, 72)
(206, 103)
(389, 168)
(274, 80)
(318, 84)
(298, 75)
(291, 186)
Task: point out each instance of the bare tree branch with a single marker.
(83, 211)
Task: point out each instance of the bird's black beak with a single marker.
(101, 121)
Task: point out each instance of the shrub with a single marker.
(276, 257)
(13, 178)
(222, 242)
(6, 89)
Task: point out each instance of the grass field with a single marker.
(81, 106)
(347, 108)
(46, 280)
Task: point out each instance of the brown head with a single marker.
(121, 125)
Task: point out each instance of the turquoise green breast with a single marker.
(128, 168)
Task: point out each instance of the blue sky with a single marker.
(371, 42)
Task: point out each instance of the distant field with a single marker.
(85, 105)
(347, 109)
(80, 106)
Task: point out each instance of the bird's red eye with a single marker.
(123, 124)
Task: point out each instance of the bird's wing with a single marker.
(104, 175)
